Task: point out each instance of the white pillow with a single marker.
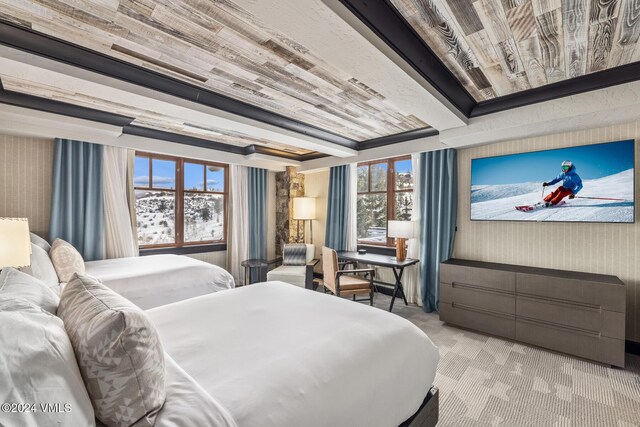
(66, 260)
(15, 284)
(42, 268)
(39, 241)
(311, 252)
(37, 365)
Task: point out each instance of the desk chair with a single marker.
(345, 282)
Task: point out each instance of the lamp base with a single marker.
(401, 249)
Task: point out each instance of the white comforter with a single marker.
(273, 354)
(155, 280)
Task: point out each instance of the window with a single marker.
(179, 202)
(385, 192)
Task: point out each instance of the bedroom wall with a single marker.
(215, 258)
(25, 180)
(317, 185)
(595, 248)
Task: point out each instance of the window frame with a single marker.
(180, 192)
(390, 192)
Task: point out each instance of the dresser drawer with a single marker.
(479, 297)
(572, 341)
(492, 279)
(502, 325)
(608, 296)
(570, 314)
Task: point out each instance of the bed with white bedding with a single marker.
(155, 280)
(273, 354)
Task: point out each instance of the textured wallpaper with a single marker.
(595, 248)
(25, 180)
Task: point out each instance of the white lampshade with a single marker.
(304, 208)
(15, 244)
(401, 229)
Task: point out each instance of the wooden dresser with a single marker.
(575, 313)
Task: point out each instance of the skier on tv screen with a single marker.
(571, 184)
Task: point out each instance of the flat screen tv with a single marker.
(588, 183)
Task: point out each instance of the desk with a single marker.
(383, 261)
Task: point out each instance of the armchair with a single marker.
(345, 282)
(295, 266)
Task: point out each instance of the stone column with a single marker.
(289, 184)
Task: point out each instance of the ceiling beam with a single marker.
(75, 111)
(383, 19)
(58, 50)
(596, 109)
(34, 123)
(573, 86)
(46, 72)
(426, 143)
(412, 135)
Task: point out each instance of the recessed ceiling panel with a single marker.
(221, 47)
(499, 47)
(144, 117)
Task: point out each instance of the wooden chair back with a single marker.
(329, 267)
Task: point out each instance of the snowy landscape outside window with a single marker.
(179, 202)
(385, 192)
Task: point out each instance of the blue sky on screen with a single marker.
(591, 162)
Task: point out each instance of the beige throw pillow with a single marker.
(66, 260)
(118, 350)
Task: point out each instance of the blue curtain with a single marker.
(77, 213)
(337, 208)
(438, 204)
(257, 187)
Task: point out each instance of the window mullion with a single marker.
(180, 202)
(390, 198)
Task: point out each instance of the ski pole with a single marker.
(601, 198)
(542, 193)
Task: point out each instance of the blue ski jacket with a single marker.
(570, 180)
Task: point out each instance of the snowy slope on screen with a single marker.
(497, 202)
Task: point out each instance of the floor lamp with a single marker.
(304, 209)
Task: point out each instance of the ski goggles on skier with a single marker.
(566, 168)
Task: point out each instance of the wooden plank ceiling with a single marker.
(499, 47)
(143, 117)
(219, 46)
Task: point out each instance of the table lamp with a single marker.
(401, 231)
(304, 208)
(15, 244)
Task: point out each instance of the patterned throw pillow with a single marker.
(294, 254)
(118, 351)
(66, 260)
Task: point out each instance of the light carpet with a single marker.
(487, 381)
